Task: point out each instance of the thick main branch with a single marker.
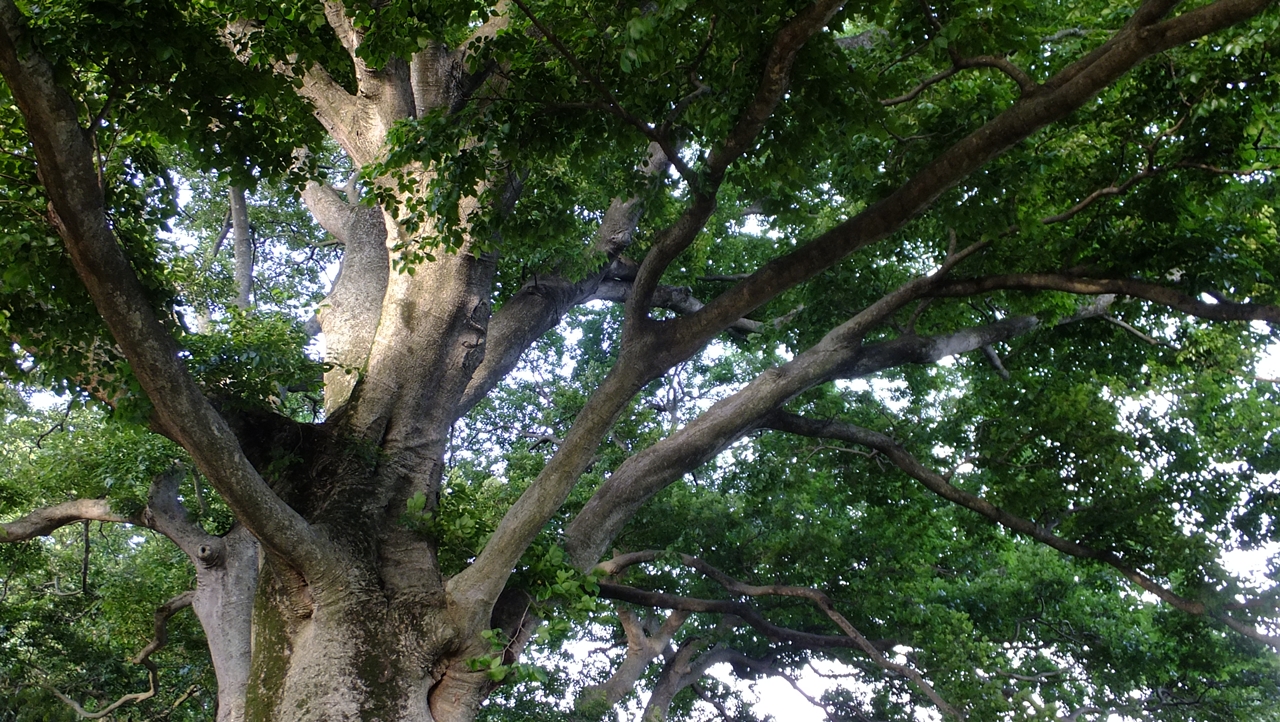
(77, 209)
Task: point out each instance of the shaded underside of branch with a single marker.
(161, 636)
(940, 485)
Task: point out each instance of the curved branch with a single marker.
(940, 485)
(163, 613)
(924, 85)
(77, 210)
(1171, 297)
(43, 522)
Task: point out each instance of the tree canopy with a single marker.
(417, 345)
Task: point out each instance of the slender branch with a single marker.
(924, 85)
(1113, 190)
(1164, 295)
(1025, 83)
(163, 613)
(1130, 328)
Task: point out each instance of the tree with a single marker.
(923, 338)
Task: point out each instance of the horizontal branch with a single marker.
(1003, 64)
(940, 485)
(748, 613)
(675, 298)
(1164, 295)
(43, 522)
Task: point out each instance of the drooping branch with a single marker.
(942, 486)
(1164, 295)
(163, 613)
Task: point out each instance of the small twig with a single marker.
(857, 452)
(60, 426)
(994, 359)
(706, 697)
(1113, 190)
(924, 85)
(1063, 34)
(199, 492)
(181, 698)
(1030, 677)
(916, 313)
(1122, 324)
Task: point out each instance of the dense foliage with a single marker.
(1022, 482)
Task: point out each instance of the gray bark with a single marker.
(351, 619)
(349, 314)
(226, 582)
(242, 244)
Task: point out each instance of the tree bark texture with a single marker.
(320, 604)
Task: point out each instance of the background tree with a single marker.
(921, 338)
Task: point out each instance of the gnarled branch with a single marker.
(163, 613)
